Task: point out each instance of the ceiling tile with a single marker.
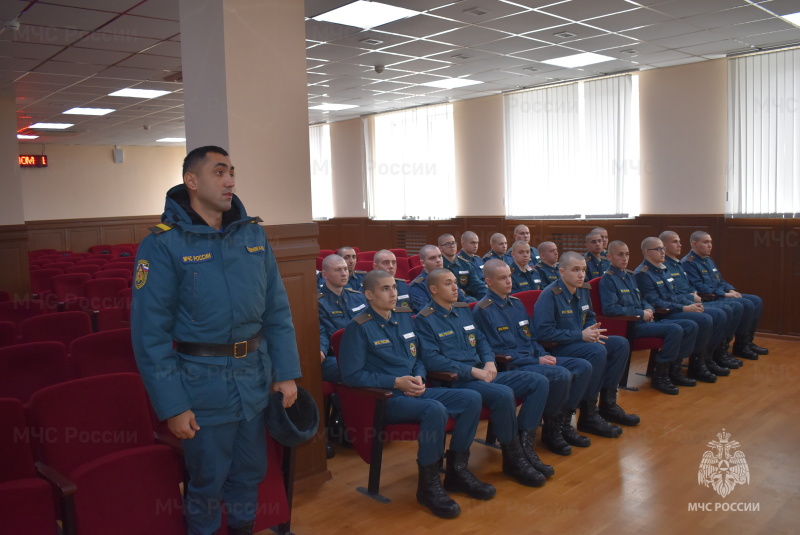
(549, 36)
(587, 9)
(33, 50)
(29, 33)
(688, 8)
(547, 52)
(142, 27)
(603, 42)
(420, 48)
(525, 22)
(94, 57)
(471, 35)
(65, 17)
(333, 52)
(420, 26)
(509, 45)
(782, 7)
(729, 17)
(629, 19)
(662, 30)
(165, 48)
(672, 63)
(357, 40)
(327, 31)
(63, 67)
(462, 11)
(719, 47)
(149, 61)
(418, 5)
(115, 6)
(773, 38)
(689, 39)
(157, 9)
(754, 28)
(115, 41)
(340, 69)
(17, 64)
(130, 73)
(420, 65)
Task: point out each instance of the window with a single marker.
(319, 139)
(764, 135)
(572, 150)
(411, 163)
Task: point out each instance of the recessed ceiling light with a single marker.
(451, 83)
(362, 14)
(26, 136)
(794, 18)
(138, 93)
(578, 60)
(88, 111)
(51, 126)
(171, 140)
(332, 107)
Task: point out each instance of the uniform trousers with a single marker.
(564, 395)
(679, 337)
(330, 370)
(431, 411)
(607, 360)
(500, 395)
(226, 463)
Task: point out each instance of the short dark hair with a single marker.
(196, 156)
(371, 279)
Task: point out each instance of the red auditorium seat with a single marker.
(61, 327)
(26, 368)
(18, 311)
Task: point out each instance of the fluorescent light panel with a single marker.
(171, 140)
(451, 83)
(88, 111)
(365, 15)
(332, 107)
(794, 18)
(578, 60)
(138, 93)
(51, 126)
(26, 136)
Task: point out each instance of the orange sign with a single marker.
(32, 160)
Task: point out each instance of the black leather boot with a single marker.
(516, 466)
(552, 436)
(698, 369)
(677, 378)
(458, 478)
(526, 439)
(723, 359)
(758, 350)
(660, 381)
(613, 412)
(432, 495)
(741, 348)
(711, 363)
(247, 529)
(571, 436)
(590, 421)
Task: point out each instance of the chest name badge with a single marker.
(502, 328)
(523, 323)
(469, 327)
(563, 312)
(401, 297)
(197, 258)
(334, 312)
(359, 307)
(624, 290)
(446, 333)
(585, 307)
(384, 342)
(256, 249)
(408, 336)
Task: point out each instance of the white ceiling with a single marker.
(71, 53)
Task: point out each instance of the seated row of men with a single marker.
(385, 348)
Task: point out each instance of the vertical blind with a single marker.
(319, 139)
(411, 163)
(764, 135)
(572, 150)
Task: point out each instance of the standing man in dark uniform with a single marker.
(707, 279)
(379, 349)
(563, 314)
(596, 260)
(450, 342)
(336, 306)
(523, 276)
(387, 261)
(469, 280)
(548, 265)
(212, 334)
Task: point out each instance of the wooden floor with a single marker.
(642, 482)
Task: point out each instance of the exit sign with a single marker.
(33, 160)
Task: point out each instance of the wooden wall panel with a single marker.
(790, 263)
(14, 265)
(47, 239)
(80, 239)
(120, 234)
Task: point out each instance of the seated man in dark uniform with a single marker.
(469, 279)
(603, 234)
(356, 277)
(596, 260)
(548, 265)
(721, 362)
(431, 258)
(507, 326)
(379, 349)
(620, 297)
(450, 342)
(706, 278)
(563, 314)
(499, 249)
(469, 250)
(523, 233)
(523, 276)
(387, 261)
(337, 305)
(657, 288)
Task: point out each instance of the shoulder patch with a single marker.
(363, 318)
(321, 295)
(161, 228)
(628, 271)
(485, 303)
(586, 285)
(256, 219)
(689, 258)
(418, 280)
(512, 297)
(610, 271)
(460, 304)
(403, 309)
(644, 269)
(557, 290)
(425, 312)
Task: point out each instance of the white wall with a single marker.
(82, 181)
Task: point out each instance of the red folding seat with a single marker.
(8, 334)
(42, 281)
(26, 368)
(112, 318)
(100, 249)
(69, 286)
(400, 253)
(92, 261)
(60, 265)
(26, 501)
(123, 250)
(84, 268)
(107, 257)
(103, 459)
(126, 274)
(120, 263)
(40, 252)
(366, 255)
(325, 252)
(365, 265)
(319, 263)
(103, 292)
(413, 273)
(414, 261)
(402, 267)
(18, 311)
(61, 327)
(103, 353)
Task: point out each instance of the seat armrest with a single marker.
(65, 486)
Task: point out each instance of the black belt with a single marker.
(238, 349)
